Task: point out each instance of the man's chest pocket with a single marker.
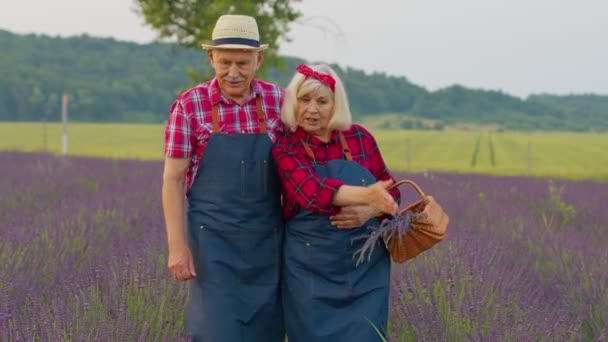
(254, 178)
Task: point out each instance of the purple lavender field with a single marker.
(83, 257)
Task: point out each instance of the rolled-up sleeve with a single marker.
(178, 132)
(301, 182)
(377, 166)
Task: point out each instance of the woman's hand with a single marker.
(375, 196)
(380, 199)
(181, 264)
(353, 216)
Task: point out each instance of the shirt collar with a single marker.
(313, 141)
(216, 96)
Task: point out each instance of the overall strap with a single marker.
(260, 112)
(308, 151)
(345, 149)
(215, 116)
(215, 119)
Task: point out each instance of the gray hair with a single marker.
(300, 86)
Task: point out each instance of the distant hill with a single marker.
(115, 81)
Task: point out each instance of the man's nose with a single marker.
(233, 70)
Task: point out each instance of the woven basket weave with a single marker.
(425, 230)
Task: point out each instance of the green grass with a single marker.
(565, 155)
(134, 141)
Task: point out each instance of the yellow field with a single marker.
(568, 155)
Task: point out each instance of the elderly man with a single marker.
(218, 142)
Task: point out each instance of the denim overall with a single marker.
(235, 230)
(325, 296)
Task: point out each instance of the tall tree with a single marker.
(191, 23)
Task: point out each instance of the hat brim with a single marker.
(234, 47)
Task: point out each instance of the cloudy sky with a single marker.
(517, 46)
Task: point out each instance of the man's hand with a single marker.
(353, 216)
(181, 264)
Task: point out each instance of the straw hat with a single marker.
(235, 32)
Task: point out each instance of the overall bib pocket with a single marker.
(231, 257)
(217, 255)
(254, 178)
(329, 268)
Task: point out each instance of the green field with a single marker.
(567, 155)
(133, 141)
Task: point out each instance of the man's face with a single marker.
(234, 70)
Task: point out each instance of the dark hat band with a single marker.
(238, 41)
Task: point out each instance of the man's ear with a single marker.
(210, 54)
(260, 58)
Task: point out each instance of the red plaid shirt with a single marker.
(189, 125)
(302, 186)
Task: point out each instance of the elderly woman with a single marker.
(335, 184)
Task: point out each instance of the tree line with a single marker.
(115, 81)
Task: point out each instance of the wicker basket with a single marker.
(425, 230)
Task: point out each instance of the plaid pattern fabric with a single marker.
(189, 125)
(302, 187)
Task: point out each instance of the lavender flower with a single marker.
(83, 257)
(388, 228)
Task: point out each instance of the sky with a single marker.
(519, 47)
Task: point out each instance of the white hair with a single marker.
(300, 86)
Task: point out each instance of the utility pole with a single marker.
(64, 120)
(529, 158)
(44, 136)
(407, 155)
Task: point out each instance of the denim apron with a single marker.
(325, 296)
(235, 230)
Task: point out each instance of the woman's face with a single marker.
(314, 111)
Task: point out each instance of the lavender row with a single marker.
(83, 257)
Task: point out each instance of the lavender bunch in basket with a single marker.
(388, 228)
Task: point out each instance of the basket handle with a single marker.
(416, 187)
(410, 182)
